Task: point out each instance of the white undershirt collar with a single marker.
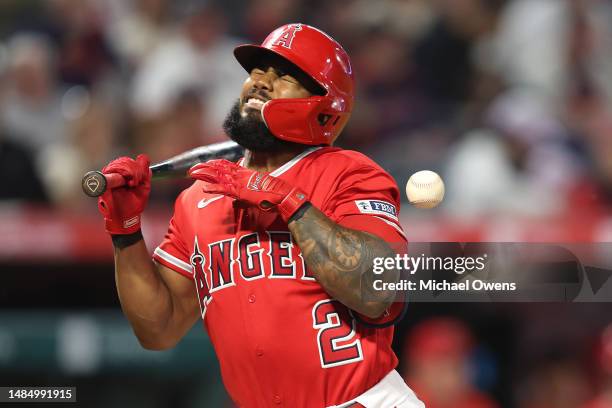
(282, 169)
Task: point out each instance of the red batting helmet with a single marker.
(320, 118)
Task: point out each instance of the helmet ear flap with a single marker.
(309, 120)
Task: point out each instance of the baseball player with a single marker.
(274, 253)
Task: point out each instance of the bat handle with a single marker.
(95, 183)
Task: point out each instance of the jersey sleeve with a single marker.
(173, 252)
(368, 200)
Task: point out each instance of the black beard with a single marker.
(251, 132)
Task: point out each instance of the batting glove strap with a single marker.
(123, 227)
(291, 203)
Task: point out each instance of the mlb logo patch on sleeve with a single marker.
(377, 207)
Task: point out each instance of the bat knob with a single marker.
(94, 183)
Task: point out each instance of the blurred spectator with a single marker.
(82, 51)
(407, 19)
(597, 127)
(19, 180)
(603, 370)
(524, 163)
(557, 381)
(444, 55)
(92, 133)
(263, 16)
(31, 108)
(198, 56)
(137, 27)
(437, 365)
(530, 47)
(389, 100)
(182, 127)
(589, 104)
(592, 46)
(386, 103)
(95, 132)
(552, 350)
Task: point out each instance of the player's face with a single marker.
(264, 84)
(244, 123)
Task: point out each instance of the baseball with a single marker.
(425, 189)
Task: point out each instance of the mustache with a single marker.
(255, 93)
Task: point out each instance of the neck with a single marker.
(268, 162)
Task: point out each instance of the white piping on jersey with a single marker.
(290, 163)
(394, 225)
(173, 260)
(293, 161)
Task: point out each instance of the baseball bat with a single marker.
(94, 183)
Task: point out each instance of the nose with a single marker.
(265, 81)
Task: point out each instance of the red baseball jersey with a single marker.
(280, 338)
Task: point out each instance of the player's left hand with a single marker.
(249, 187)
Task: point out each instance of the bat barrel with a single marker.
(177, 166)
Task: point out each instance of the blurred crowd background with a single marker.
(510, 100)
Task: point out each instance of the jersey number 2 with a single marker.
(336, 337)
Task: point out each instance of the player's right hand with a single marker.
(122, 206)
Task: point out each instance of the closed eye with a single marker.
(279, 73)
(289, 78)
(284, 76)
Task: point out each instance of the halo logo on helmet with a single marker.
(287, 37)
(317, 119)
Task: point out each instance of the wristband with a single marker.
(291, 203)
(126, 240)
(300, 212)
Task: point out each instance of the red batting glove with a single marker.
(122, 206)
(249, 186)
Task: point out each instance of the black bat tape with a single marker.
(94, 182)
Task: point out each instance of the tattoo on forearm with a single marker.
(346, 248)
(341, 259)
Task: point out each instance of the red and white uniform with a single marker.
(280, 338)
